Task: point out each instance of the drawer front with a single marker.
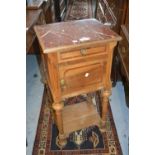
(80, 54)
(78, 78)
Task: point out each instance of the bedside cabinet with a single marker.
(77, 58)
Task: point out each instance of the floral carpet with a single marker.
(86, 141)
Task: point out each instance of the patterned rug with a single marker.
(88, 141)
(79, 9)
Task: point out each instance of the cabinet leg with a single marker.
(105, 102)
(50, 103)
(58, 114)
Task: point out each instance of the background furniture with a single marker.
(33, 17)
(76, 64)
(112, 13)
(115, 14)
(123, 55)
(45, 5)
(60, 7)
(38, 12)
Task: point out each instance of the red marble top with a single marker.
(68, 35)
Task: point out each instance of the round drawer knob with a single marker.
(62, 84)
(86, 74)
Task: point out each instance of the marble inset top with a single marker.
(68, 35)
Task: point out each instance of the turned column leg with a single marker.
(58, 114)
(105, 102)
(50, 102)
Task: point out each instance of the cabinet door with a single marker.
(82, 79)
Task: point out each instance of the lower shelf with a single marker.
(78, 116)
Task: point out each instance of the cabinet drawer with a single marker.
(82, 78)
(82, 53)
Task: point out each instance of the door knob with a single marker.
(62, 84)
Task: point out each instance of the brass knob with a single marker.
(83, 52)
(62, 83)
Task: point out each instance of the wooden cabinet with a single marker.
(77, 56)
